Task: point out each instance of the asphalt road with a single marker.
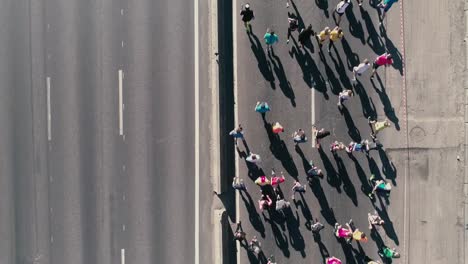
(301, 88)
(83, 191)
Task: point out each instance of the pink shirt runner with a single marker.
(382, 60)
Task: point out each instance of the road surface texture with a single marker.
(110, 176)
(419, 153)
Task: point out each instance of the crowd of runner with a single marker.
(271, 197)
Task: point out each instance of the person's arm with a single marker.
(269, 200)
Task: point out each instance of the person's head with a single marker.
(363, 236)
(254, 156)
(366, 61)
(272, 32)
(387, 123)
(309, 27)
(389, 56)
(247, 6)
(327, 30)
(340, 31)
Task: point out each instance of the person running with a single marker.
(293, 25)
(322, 36)
(359, 236)
(277, 128)
(313, 172)
(333, 260)
(271, 259)
(297, 187)
(305, 35)
(238, 184)
(262, 181)
(316, 226)
(255, 246)
(239, 234)
(237, 133)
(262, 107)
(281, 204)
(319, 134)
(299, 136)
(341, 232)
(386, 252)
(374, 219)
(379, 185)
(247, 16)
(275, 180)
(361, 68)
(385, 5)
(377, 126)
(354, 146)
(335, 35)
(382, 60)
(344, 95)
(265, 202)
(335, 146)
(253, 158)
(340, 10)
(270, 39)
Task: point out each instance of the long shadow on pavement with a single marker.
(281, 239)
(348, 252)
(323, 4)
(322, 248)
(388, 107)
(284, 84)
(326, 211)
(353, 131)
(388, 226)
(352, 58)
(368, 107)
(373, 40)
(340, 69)
(279, 149)
(366, 188)
(348, 185)
(295, 236)
(396, 54)
(335, 85)
(305, 210)
(263, 64)
(388, 168)
(254, 217)
(355, 26)
(333, 178)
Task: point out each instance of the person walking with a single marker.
(305, 35)
(335, 35)
(377, 126)
(253, 158)
(382, 60)
(239, 234)
(293, 25)
(238, 184)
(237, 133)
(340, 10)
(265, 202)
(270, 39)
(277, 128)
(299, 136)
(322, 36)
(262, 181)
(319, 134)
(262, 107)
(275, 180)
(361, 68)
(374, 219)
(247, 16)
(335, 146)
(384, 6)
(344, 95)
(297, 187)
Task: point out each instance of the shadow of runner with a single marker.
(281, 239)
(333, 178)
(254, 217)
(388, 108)
(280, 151)
(335, 85)
(352, 59)
(284, 84)
(348, 252)
(340, 69)
(295, 236)
(326, 211)
(388, 225)
(323, 4)
(305, 211)
(368, 107)
(355, 27)
(366, 188)
(388, 168)
(263, 64)
(348, 186)
(390, 47)
(374, 40)
(353, 131)
(305, 161)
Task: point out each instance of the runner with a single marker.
(354, 146)
(239, 235)
(255, 246)
(316, 226)
(238, 184)
(335, 146)
(341, 232)
(359, 236)
(374, 219)
(386, 252)
(281, 204)
(262, 181)
(275, 180)
(322, 36)
(297, 187)
(247, 15)
(271, 259)
(313, 172)
(262, 107)
(340, 10)
(253, 158)
(270, 39)
(237, 133)
(319, 134)
(361, 68)
(299, 137)
(382, 60)
(377, 126)
(265, 202)
(385, 5)
(379, 185)
(277, 128)
(305, 35)
(293, 25)
(344, 95)
(335, 35)
(333, 260)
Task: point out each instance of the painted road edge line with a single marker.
(197, 134)
(122, 256)
(236, 114)
(121, 102)
(312, 113)
(49, 115)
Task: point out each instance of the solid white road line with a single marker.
(122, 256)
(197, 134)
(236, 117)
(312, 113)
(49, 116)
(120, 102)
